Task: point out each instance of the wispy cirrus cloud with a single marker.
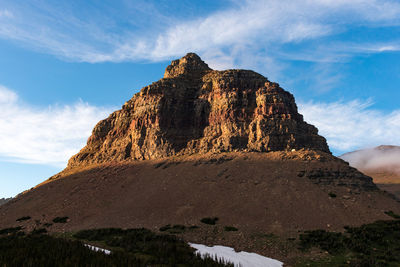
(265, 35)
(376, 47)
(44, 135)
(353, 125)
(259, 26)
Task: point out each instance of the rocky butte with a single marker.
(195, 109)
(204, 143)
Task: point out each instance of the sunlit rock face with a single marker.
(195, 109)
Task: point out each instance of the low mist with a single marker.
(381, 158)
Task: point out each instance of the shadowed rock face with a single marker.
(195, 109)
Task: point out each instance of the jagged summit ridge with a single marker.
(195, 109)
(191, 64)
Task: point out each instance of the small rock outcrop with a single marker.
(195, 109)
(4, 200)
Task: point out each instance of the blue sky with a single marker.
(64, 65)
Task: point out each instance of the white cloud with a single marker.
(7, 97)
(376, 48)
(264, 35)
(353, 125)
(259, 26)
(44, 135)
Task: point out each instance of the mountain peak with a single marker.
(195, 109)
(191, 65)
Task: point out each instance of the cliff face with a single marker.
(195, 109)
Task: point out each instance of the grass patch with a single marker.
(330, 261)
(151, 248)
(60, 220)
(209, 220)
(131, 247)
(329, 241)
(46, 251)
(375, 244)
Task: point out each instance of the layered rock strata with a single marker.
(195, 109)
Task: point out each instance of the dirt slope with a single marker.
(269, 192)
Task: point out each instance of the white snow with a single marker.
(239, 259)
(105, 251)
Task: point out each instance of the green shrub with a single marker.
(165, 228)
(151, 248)
(329, 241)
(47, 251)
(332, 195)
(10, 230)
(39, 231)
(179, 227)
(99, 234)
(230, 229)
(392, 214)
(60, 220)
(374, 244)
(210, 221)
(25, 218)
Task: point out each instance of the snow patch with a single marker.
(105, 251)
(239, 259)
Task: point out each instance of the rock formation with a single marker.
(195, 109)
(192, 146)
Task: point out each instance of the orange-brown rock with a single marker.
(195, 109)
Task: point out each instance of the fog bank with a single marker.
(379, 158)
